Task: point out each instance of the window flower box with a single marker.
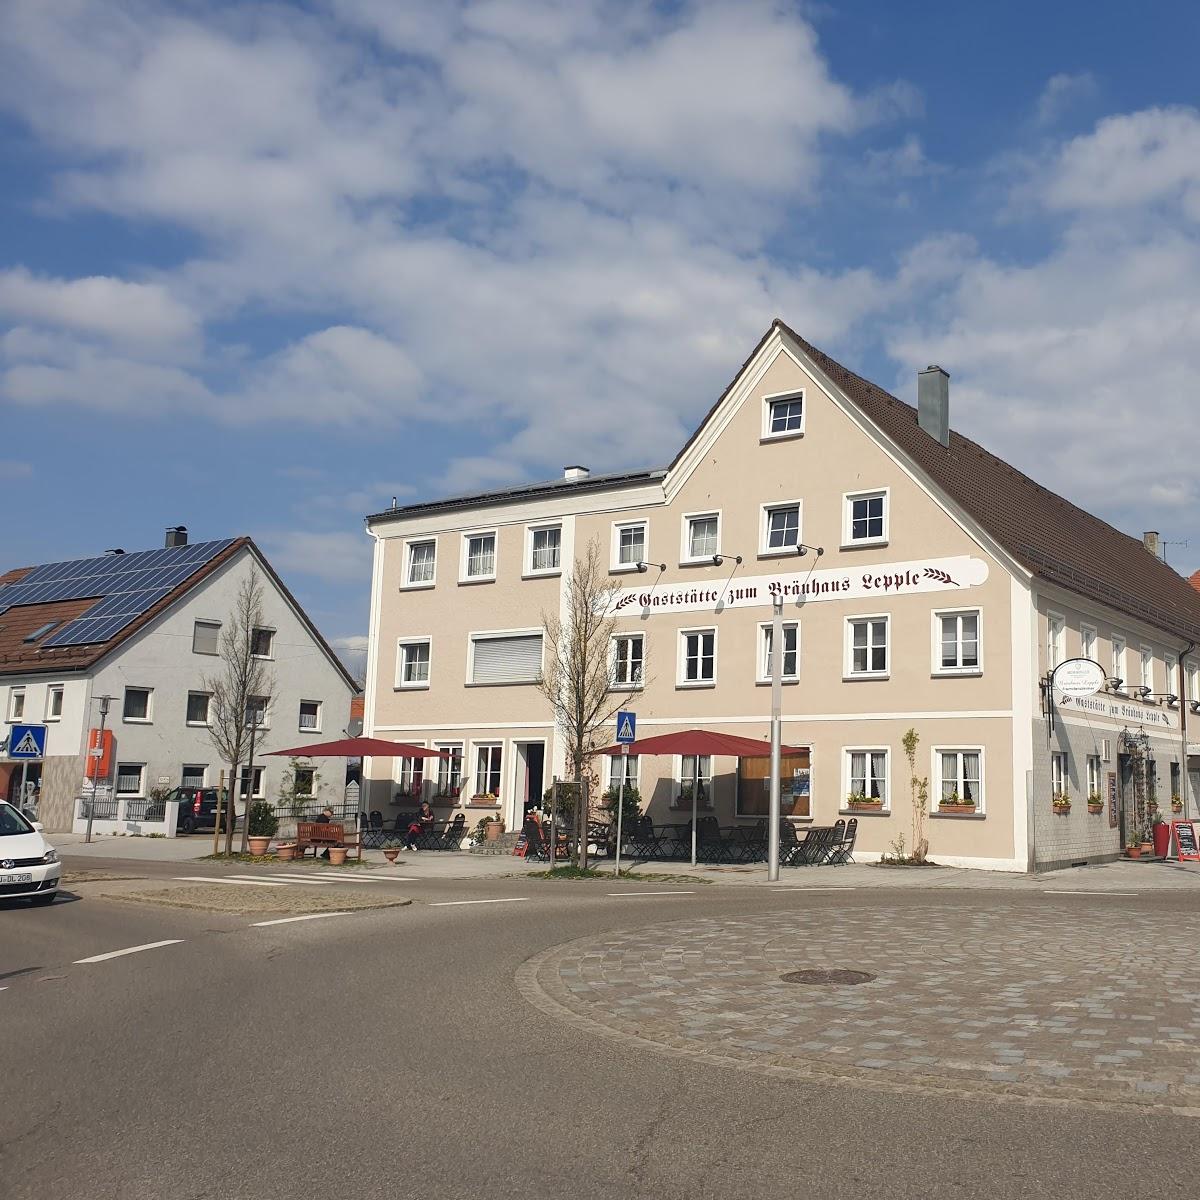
(485, 800)
(1176, 804)
(956, 806)
(1095, 803)
(858, 800)
(1061, 803)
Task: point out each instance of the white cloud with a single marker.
(336, 557)
(1063, 92)
(11, 468)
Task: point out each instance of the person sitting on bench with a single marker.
(323, 818)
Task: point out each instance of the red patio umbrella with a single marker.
(360, 747)
(695, 742)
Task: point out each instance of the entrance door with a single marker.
(528, 772)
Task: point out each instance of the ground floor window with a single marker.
(1060, 781)
(411, 776)
(487, 770)
(795, 785)
(193, 775)
(695, 776)
(867, 777)
(961, 778)
(245, 790)
(304, 779)
(622, 766)
(449, 779)
(1095, 772)
(131, 778)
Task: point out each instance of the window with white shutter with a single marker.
(506, 658)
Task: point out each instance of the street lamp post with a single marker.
(97, 752)
(776, 737)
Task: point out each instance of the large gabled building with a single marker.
(950, 586)
(144, 628)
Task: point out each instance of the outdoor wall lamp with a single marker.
(802, 549)
(642, 566)
(1141, 691)
(1195, 706)
(1114, 684)
(718, 559)
(1165, 698)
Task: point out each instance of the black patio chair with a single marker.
(844, 851)
(811, 848)
(535, 841)
(644, 842)
(453, 834)
(830, 844)
(749, 844)
(789, 844)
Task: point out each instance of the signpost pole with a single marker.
(24, 781)
(776, 738)
(621, 807)
(105, 701)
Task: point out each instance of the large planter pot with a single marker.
(337, 855)
(1133, 851)
(494, 830)
(391, 853)
(258, 845)
(286, 852)
(1162, 840)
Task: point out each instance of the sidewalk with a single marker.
(1120, 876)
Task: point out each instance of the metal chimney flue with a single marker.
(176, 536)
(576, 472)
(933, 403)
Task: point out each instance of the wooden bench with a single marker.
(324, 834)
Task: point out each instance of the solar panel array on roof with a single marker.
(125, 586)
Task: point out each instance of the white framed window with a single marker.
(420, 568)
(193, 775)
(197, 708)
(695, 774)
(206, 637)
(790, 667)
(131, 779)
(1172, 665)
(258, 711)
(866, 777)
(16, 704)
(865, 518)
(489, 759)
(449, 769)
(867, 646)
(783, 415)
(1147, 667)
(1118, 658)
(1060, 777)
(478, 557)
(249, 791)
(956, 642)
(697, 658)
(779, 528)
(1087, 642)
(543, 549)
(410, 776)
(630, 545)
(412, 662)
(310, 716)
(624, 766)
(701, 537)
(511, 656)
(1193, 679)
(959, 775)
(628, 660)
(262, 643)
(136, 705)
(54, 702)
(304, 781)
(1056, 632)
(1095, 776)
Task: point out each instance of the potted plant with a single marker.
(954, 803)
(1095, 802)
(485, 799)
(337, 855)
(495, 829)
(285, 851)
(1061, 803)
(1133, 850)
(391, 850)
(1147, 840)
(859, 800)
(1176, 804)
(479, 834)
(263, 825)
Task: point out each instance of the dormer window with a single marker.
(783, 416)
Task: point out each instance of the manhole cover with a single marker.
(842, 978)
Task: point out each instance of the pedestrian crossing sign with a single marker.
(626, 727)
(27, 742)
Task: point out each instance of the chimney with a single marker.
(1151, 541)
(933, 403)
(176, 536)
(576, 472)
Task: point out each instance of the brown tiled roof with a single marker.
(13, 575)
(1195, 581)
(1048, 535)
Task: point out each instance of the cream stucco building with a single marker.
(950, 585)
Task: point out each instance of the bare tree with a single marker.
(240, 692)
(577, 679)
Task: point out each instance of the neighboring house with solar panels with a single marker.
(144, 628)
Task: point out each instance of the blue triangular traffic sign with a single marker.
(626, 727)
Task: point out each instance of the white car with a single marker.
(29, 866)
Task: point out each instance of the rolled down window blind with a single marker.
(508, 659)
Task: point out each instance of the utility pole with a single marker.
(776, 737)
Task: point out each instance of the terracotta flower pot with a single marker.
(286, 852)
(956, 808)
(1133, 851)
(494, 830)
(391, 853)
(1095, 809)
(337, 855)
(258, 845)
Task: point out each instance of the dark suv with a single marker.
(198, 809)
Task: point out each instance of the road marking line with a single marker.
(131, 950)
(306, 917)
(814, 889)
(344, 878)
(284, 879)
(1067, 892)
(622, 895)
(221, 879)
(499, 900)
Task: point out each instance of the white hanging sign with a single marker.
(1079, 678)
(804, 587)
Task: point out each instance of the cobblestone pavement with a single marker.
(1047, 1004)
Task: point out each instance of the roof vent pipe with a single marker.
(176, 536)
(933, 403)
(1152, 542)
(576, 472)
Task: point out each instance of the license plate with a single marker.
(25, 878)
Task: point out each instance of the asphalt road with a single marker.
(389, 1053)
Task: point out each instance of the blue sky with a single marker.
(263, 266)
